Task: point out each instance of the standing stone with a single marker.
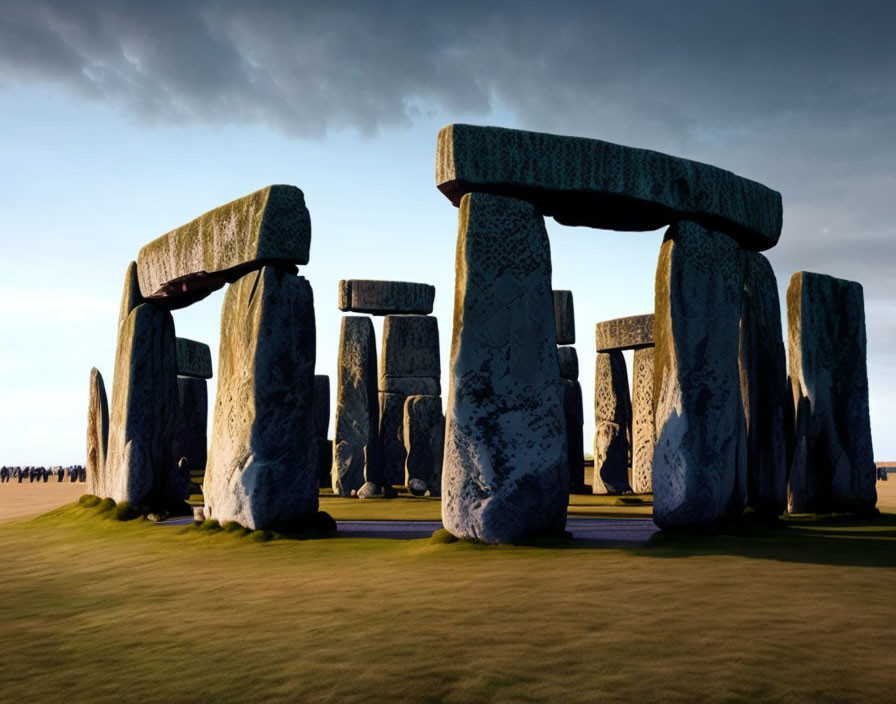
(612, 424)
(262, 466)
(140, 466)
(568, 360)
(357, 454)
(643, 432)
(97, 434)
(424, 441)
(564, 318)
(191, 434)
(410, 347)
(392, 437)
(699, 473)
(763, 381)
(505, 476)
(575, 419)
(833, 461)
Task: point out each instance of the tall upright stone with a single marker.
(763, 381)
(191, 433)
(643, 431)
(357, 454)
(505, 475)
(833, 461)
(140, 466)
(612, 424)
(699, 466)
(424, 440)
(574, 418)
(97, 434)
(262, 469)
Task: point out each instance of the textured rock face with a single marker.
(190, 262)
(564, 318)
(763, 382)
(385, 297)
(631, 333)
(643, 440)
(599, 184)
(612, 424)
(833, 460)
(321, 405)
(569, 362)
(699, 465)
(140, 466)
(97, 435)
(262, 465)
(357, 454)
(392, 437)
(574, 416)
(505, 474)
(193, 358)
(190, 437)
(424, 440)
(410, 347)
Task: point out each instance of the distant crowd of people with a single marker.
(75, 473)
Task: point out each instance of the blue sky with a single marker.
(117, 128)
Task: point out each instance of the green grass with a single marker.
(94, 609)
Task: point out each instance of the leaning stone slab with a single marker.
(564, 318)
(643, 431)
(505, 476)
(424, 441)
(612, 424)
(190, 262)
(833, 461)
(411, 386)
(140, 466)
(385, 297)
(321, 405)
(191, 434)
(569, 362)
(262, 464)
(574, 416)
(633, 333)
(699, 472)
(392, 437)
(97, 435)
(193, 358)
(410, 347)
(600, 184)
(763, 382)
(357, 454)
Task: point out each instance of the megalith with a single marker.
(262, 469)
(97, 435)
(612, 424)
(424, 440)
(191, 433)
(505, 476)
(643, 438)
(357, 454)
(833, 461)
(699, 473)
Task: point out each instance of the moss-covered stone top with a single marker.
(599, 184)
(269, 226)
(635, 332)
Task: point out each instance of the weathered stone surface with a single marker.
(568, 360)
(190, 262)
(130, 295)
(612, 424)
(643, 432)
(385, 297)
(600, 184)
(411, 386)
(763, 383)
(193, 358)
(633, 333)
(357, 454)
(505, 475)
(262, 464)
(191, 434)
(574, 416)
(140, 466)
(833, 460)
(321, 405)
(699, 465)
(97, 434)
(392, 437)
(564, 318)
(424, 441)
(410, 347)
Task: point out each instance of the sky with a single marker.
(122, 120)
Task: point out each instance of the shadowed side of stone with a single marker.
(699, 464)
(262, 465)
(424, 440)
(599, 184)
(632, 333)
(643, 431)
(833, 460)
(188, 263)
(191, 434)
(505, 476)
(612, 424)
(385, 297)
(193, 358)
(97, 435)
(564, 318)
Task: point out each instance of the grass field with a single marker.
(97, 610)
